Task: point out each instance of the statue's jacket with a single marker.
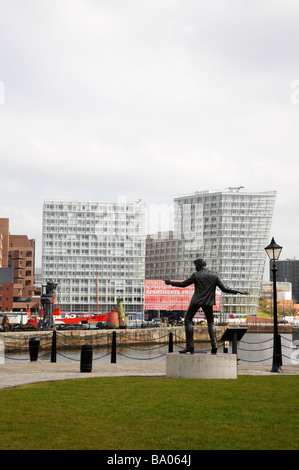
(205, 283)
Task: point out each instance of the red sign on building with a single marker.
(159, 296)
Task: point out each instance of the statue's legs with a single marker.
(208, 310)
(192, 309)
(212, 334)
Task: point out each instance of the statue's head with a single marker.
(199, 263)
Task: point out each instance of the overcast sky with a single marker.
(148, 99)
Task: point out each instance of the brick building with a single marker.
(6, 289)
(17, 253)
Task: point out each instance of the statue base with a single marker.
(201, 366)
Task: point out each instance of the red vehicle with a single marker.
(68, 318)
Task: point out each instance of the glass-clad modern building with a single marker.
(229, 229)
(95, 251)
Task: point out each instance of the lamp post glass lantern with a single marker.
(273, 251)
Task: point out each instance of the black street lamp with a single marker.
(273, 251)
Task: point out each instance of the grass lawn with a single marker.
(251, 412)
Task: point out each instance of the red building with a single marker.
(159, 297)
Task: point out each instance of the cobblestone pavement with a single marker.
(14, 374)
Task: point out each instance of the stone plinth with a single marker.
(201, 366)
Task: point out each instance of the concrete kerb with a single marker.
(14, 374)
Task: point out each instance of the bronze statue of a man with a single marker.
(205, 283)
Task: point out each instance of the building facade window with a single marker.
(94, 247)
(229, 229)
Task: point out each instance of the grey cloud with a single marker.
(148, 99)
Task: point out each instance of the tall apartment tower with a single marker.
(95, 251)
(288, 271)
(229, 229)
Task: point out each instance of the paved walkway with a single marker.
(13, 374)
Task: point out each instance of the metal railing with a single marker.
(116, 343)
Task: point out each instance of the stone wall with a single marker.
(14, 341)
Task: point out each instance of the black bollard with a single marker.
(33, 348)
(113, 351)
(170, 344)
(86, 358)
(53, 351)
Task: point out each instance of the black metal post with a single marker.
(53, 350)
(277, 358)
(279, 348)
(113, 351)
(235, 342)
(86, 358)
(170, 343)
(33, 348)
